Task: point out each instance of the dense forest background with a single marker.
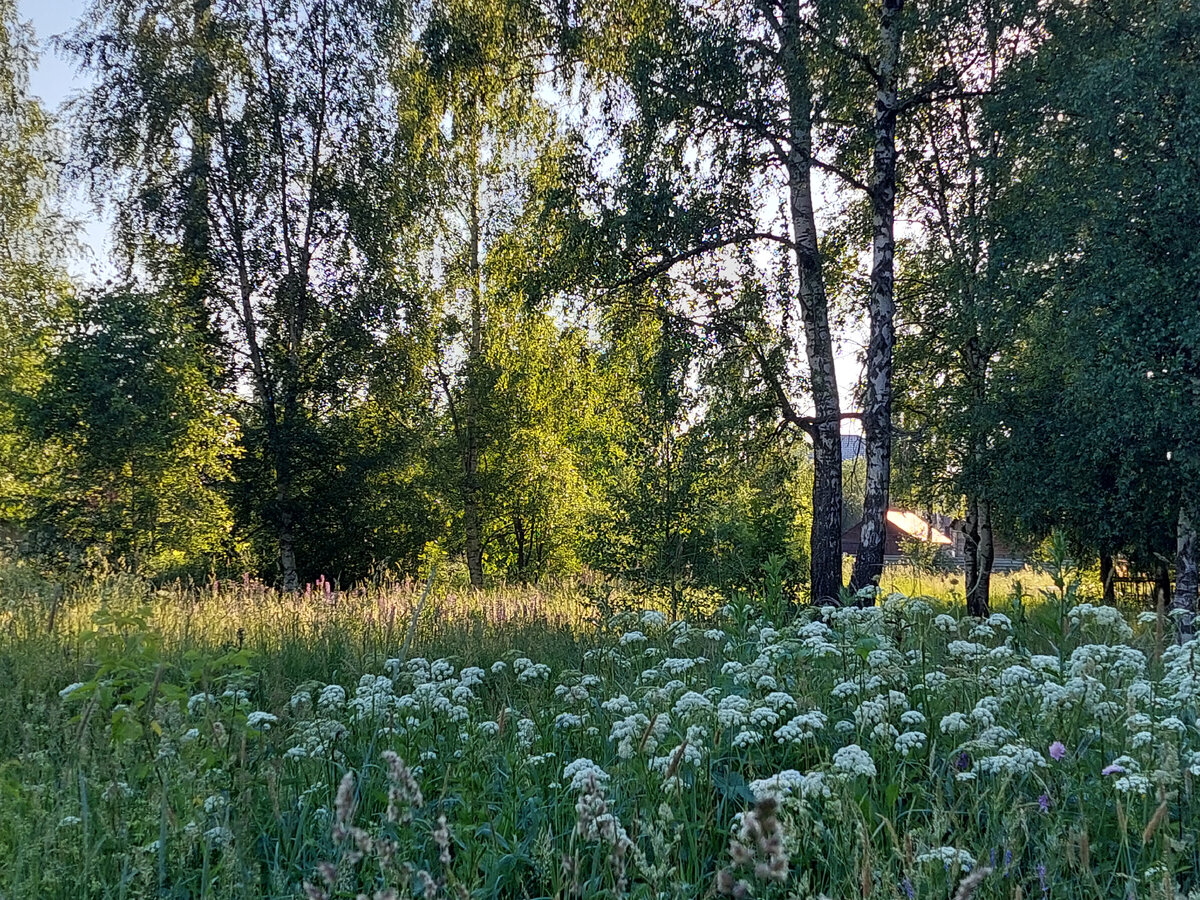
(546, 287)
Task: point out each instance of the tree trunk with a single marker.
(471, 516)
(877, 403)
(196, 284)
(1162, 587)
(979, 565)
(825, 546)
(1108, 573)
(522, 555)
(970, 530)
(287, 547)
(1187, 581)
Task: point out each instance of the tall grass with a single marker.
(230, 742)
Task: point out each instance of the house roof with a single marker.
(916, 527)
(907, 524)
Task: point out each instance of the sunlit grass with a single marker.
(134, 755)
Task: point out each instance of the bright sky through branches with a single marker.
(57, 79)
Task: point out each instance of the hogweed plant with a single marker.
(899, 750)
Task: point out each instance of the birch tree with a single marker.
(961, 307)
(716, 112)
(33, 236)
(744, 112)
(229, 133)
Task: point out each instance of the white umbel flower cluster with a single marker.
(854, 760)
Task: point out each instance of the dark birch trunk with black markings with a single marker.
(1187, 578)
(877, 401)
(472, 519)
(980, 553)
(825, 546)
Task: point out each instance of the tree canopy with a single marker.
(557, 287)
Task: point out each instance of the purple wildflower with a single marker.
(1113, 769)
(907, 886)
(1044, 803)
(1057, 750)
(962, 762)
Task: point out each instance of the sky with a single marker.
(56, 79)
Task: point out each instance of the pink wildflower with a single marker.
(1058, 750)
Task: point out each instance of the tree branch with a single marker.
(670, 262)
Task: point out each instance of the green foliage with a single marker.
(924, 557)
(692, 500)
(1103, 378)
(139, 440)
(32, 284)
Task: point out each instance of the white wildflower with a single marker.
(854, 760)
(910, 742)
(802, 727)
(747, 738)
(692, 703)
(951, 857)
(954, 723)
(581, 772)
(1012, 759)
(70, 689)
(332, 698)
(198, 702)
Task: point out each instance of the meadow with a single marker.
(392, 742)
